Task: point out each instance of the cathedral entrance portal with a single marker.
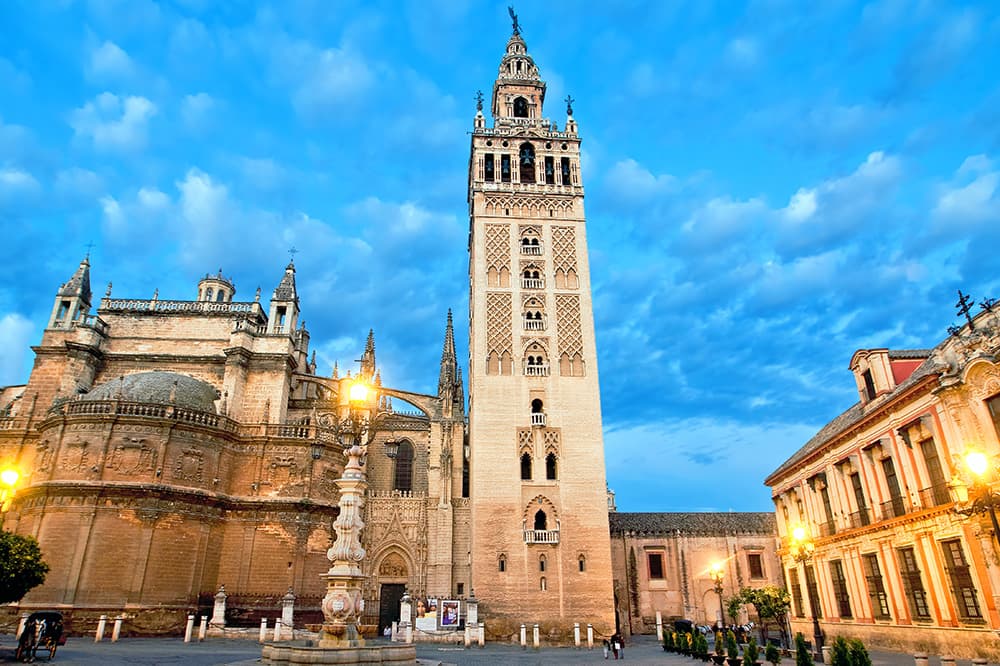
(388, 604)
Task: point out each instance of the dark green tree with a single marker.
(859, 655)
(772, 653)
(840, 654)
(751, 652)
(803, 655)
(21, 566)
(732, 649)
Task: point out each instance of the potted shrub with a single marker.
(772, 654)
(732, 650)
(750, 653)
(668, 641)
(683, 642)
(720, 649)
(840, 653)
(702, 643)
(859, 655)
(803, 655)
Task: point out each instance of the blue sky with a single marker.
(770, 186)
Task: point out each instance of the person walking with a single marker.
(617, 645)
(606, 644)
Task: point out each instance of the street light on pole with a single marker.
(801, 549)
(717, 572)
(8, 479)
(982, 498)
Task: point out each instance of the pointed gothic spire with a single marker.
(285, 291)
(79, 283)
(368, 358)
(336, 371)
(449, 364)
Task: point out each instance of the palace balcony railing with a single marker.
(536, 370)
(935, 495)
(532, 283)
(538, 419)
(534, 250)
(534, 324)
(894, 508)
(860, 518)
(541, 536)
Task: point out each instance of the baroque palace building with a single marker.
(885, 499)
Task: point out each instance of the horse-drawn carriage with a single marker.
(43, 630)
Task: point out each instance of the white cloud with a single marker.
(17, 332)
(15, 181)
(196, 110)
(742, 52)
(76, 181)
(152, 199)
(965, 201)
(109, 62)
(332, 79)
(628, 179)
(113, 123)
(802, 205)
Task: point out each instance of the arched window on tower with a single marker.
(403, 476)
(502, 563)
(520, 108)
(541, 521)
(541, 563)
(550, 466)
(527, 162)
(220, 296)
(525, 467)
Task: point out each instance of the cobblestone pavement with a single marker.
(643, 650)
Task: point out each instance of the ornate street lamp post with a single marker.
(801, 549)
(982, 499)
(717, 572)
(343, 605)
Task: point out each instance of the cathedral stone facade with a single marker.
(172, 447)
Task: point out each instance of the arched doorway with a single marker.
(392, 576)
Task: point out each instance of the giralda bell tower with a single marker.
(540, 544)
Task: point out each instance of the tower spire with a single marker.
(368, 358)
(449, 363)
(73, 298)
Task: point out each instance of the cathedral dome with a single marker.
(158, 387)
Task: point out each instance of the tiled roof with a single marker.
(701, 522)
(909, 353)
(854, 414)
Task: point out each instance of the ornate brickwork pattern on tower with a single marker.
(564, 249)
(568, 328)
(528, 206)
(497, 246)
(498, 323)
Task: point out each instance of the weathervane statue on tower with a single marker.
(513, 17)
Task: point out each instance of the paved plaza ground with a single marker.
(643, 650)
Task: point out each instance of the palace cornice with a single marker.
(820, 448)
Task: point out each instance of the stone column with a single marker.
(534, 636)
(576, 634)
(117, 631)
(101, 624)
(343, 605)
(219, 610)
(288, 610)
(659, 627)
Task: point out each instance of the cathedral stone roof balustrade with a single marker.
(155, 305)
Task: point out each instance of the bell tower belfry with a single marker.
(540, 542)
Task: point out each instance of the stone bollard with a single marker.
(524, 637)
(590, 636)
(659, 627)
(277, 628)
(825, 653)
(288, 610)
(101, 624)
(947, 660)
(534, 636)
(978, 661)
(482, 634)
(203, 628)
(395, 628)
(468, 637)
(263, 629)
(576, 634)
(189, 629)
(117, 631)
